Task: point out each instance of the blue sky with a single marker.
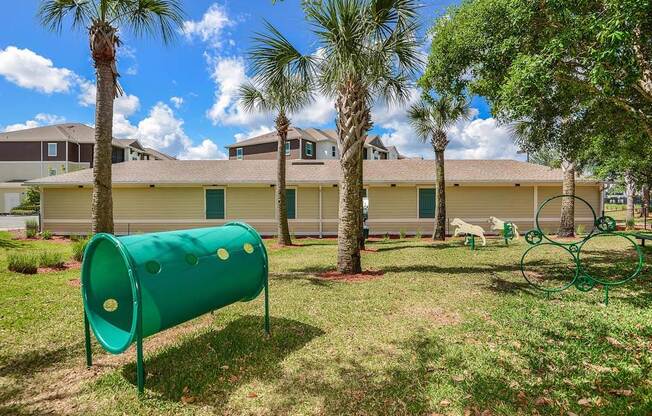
(180, 98)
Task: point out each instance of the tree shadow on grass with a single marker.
(9, 243)
(32, 361)
(416, 381)
(215, 364)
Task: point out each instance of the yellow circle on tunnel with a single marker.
(223, 254)
(248, 248)
(110, 305)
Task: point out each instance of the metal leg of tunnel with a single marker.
(606, 295)
(87, 342)
(140, 366)
(267, 329)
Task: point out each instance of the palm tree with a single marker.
(104, 19)
(281, 83)
(431, 118)
(368, 50)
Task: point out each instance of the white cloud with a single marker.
(252, 133)
(162, 130)
(176, 101)
(123, 107)
(30, 70)
(477, 138)
(229, 73)
(209, 29)
(41, 119)
(207, 149)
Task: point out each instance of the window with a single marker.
(239, 153)
(287, 148)
(52, 149)
(291, 203)
(333, 151)
(308, 149)
(214, 204)
(426, 203)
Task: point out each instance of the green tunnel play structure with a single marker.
(136, 286)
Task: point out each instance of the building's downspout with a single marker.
(321, 221)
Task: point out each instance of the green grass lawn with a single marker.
(444, 331)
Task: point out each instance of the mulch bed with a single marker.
(366, 275)
(66, 266)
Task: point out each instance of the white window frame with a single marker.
(56, 149)
(239, 153)
(309, 146)
(288, 149)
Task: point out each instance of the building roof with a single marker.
(159, 155)
(75, 132)
(225, 172)
(312, 134)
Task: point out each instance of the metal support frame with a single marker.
(583, 281)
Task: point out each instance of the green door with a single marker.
(426, 203)
(291, 201)
(214, 204)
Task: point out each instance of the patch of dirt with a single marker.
(66, 266)
(359, 277)
(56, 389)
(74, 283)
(277, 246)
(438, 316)
(370, 250)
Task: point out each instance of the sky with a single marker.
(181, 98)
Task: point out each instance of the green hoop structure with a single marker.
(582, 280)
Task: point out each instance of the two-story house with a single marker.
(310, 144)
(52, 150)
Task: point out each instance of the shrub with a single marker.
(46, 234)
(52, 259)
(26, 263)
(402, 234)
(386, 237)
(630, 224)
(30, 233)
(22, 211)
(31, 224)
(418, 235)
(78, 248)
(581, 229)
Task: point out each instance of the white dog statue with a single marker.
(468, 229)
(499, 225)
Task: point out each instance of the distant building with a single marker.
(309, 144)
(53, 150)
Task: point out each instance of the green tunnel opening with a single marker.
(109, 293)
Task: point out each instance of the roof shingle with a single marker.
(226, 172)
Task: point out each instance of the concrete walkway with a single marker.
(14, 222)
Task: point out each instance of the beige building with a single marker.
(165, 195)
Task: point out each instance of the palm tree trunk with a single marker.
(567, 224)
(440, 198)
(630, 190)
(361, 239)
(282, 125)
(102, 202)
(351, 123)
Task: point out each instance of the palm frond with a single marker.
(252, 98)
(282, 75)
(52, 13)
(149, 17)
